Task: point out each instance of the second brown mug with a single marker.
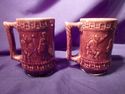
(96, 42)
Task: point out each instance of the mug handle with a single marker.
(8, 26)
(69, 26)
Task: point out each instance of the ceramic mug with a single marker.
(37, 44)
(96, 42)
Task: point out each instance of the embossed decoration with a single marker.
(35, 48)
(33, 25)
(92, 47)
(97, 66)
(98, 26)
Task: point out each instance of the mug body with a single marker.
(37, 44)
(96, 42)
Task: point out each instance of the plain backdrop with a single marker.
(62, 11)
(69, 78)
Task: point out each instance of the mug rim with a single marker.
(98, 19)
(34, 19)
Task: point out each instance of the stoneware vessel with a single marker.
(96, 42)
(37, 44)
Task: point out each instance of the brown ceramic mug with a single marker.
(96, 42)
(37, 44)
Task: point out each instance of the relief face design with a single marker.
(37, 48)
(96, 46)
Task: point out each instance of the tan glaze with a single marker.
(37, 44)
(96, 42)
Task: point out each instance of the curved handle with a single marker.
(8, 26)
(69, 26)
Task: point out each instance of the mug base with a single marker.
(39, 73)
(94, 72)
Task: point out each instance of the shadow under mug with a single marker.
(37, 44)
(96, 42)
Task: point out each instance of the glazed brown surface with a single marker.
(96, 42)
(37, 44)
